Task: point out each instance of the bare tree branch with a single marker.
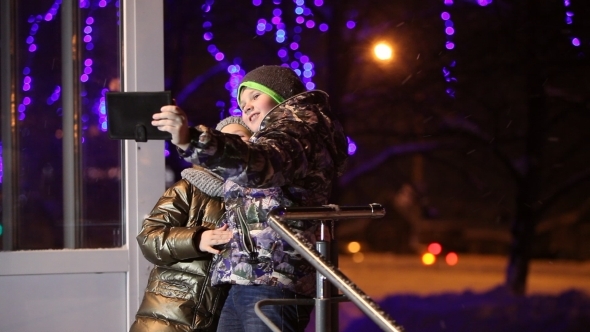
(392, 151)
(565, 187)
(472, 130)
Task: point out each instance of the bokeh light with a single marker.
(484, 3)
(575, 41)
(452, 259)
(354, 247)
(428, 259)
(383, 51)
(450, 45)
(351, 146)
(358, 257)
(434, 248)
(287, 35)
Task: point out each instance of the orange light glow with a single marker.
(358, 257)
(428, 259)
(434, 248)
(452, 258)
(383, 51)
(354, 247)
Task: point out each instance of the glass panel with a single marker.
(38, 219)
(38, 216)
(101, 156)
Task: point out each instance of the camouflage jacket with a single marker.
(291, 161)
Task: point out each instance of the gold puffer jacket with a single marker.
(179, 295)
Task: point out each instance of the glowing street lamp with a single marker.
(383, 51)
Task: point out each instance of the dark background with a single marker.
(482, 148)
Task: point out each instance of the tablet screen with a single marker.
(129, 115)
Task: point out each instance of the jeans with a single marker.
(238, 311)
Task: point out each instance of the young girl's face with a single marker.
(255, 106)
(237, 129)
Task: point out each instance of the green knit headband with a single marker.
(260, 87)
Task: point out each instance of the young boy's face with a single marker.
(237, 129)
(255, 106)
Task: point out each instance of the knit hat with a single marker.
(280, 83)
(204, 179)
(232, 119)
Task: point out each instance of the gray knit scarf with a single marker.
(207, 181)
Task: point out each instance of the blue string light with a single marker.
(99, 105)
(289, 40)
(351, 146)
(450, 45)
(569, 20)
(289, 52)
(234, 69)
(350, 24)
(36, 21)
(484, 3)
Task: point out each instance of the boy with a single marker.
(297, 149)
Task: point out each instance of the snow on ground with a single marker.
(495, 310)
(467, 297)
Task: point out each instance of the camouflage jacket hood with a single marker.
(312, 108)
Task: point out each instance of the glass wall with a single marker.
(61, 174)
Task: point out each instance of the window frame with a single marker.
(143, 166)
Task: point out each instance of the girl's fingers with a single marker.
(170, 108)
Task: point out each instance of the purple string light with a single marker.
(35, 21)
(484, 3)
(99, 105)
(289, 51)
(450, 45)
(569, 20)
(351, 146)
(234, 70)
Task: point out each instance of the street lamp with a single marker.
(383, 51)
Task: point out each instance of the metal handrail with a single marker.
(276, 220)
(258, 307)
(327, 212)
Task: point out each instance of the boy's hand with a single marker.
(173, 120)
(214, 237)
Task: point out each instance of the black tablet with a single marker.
(129, 115)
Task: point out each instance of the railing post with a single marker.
(335, 310)
(322, 265)
(323, 307)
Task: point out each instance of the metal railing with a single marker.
(326, 272)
